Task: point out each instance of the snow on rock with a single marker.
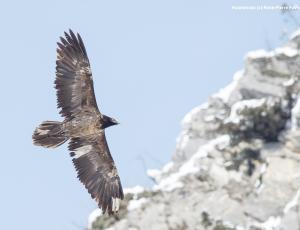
(188, 118)
(292, 203)
(198, 127)
(191, 166)
(287, 51)
(236, 163)
(167, 167)
(274, 222)
(271, 223)
(225, 93)
(295, 34)
(290, 82)
(261, 53)
(134, 204)
(134, 190)
(93, 217)
(156, 174)
(241, 105)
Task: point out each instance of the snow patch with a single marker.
(274, 221)
(270, 224)
(240, 228)
(234, 116)
(209, 118)
(261, 53)
(295, 34)
(93, 216)
(134, 190)
(259, 182)
(188, 118)
(167, 167)
(226, 92)
(154, 174)
(289, 82)
(287, 51)
(183, 142)
(134, 204)
(173, 181)
(292, 203)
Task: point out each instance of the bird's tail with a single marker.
(49, 134)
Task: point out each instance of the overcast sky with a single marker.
(152, 62)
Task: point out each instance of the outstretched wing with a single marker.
(74, 83)
(97, 171)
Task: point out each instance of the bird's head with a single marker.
(108, 121)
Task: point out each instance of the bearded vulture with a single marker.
(83, 125)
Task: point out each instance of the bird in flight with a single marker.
(83, 125)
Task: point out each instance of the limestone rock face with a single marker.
(237, 159)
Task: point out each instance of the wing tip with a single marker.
(74, 41)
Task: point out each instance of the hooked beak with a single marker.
(115, 122)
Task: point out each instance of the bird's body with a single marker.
(83, 125)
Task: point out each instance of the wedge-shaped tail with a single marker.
(49, 134)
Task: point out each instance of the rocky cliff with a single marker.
(237, 160)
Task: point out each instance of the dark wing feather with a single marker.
(97, 171)
(74, 83)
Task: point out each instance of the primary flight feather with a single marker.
(83, 125)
